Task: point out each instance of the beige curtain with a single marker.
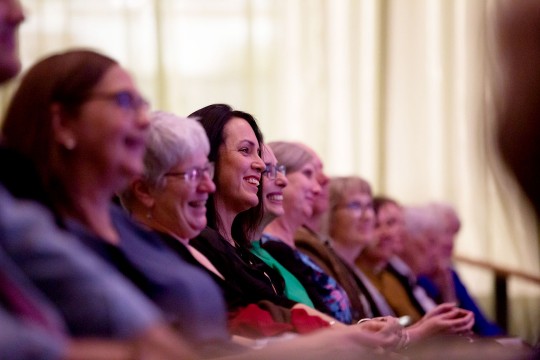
(397, 91)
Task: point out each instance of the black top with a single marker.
(232, 294)
(243, 270)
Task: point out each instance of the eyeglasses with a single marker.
(271, 171)
(356, 206)
(194, 173)
(123, 99)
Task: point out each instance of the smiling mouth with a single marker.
(133, 142)
(275, 197)
(253, 181)
(198, 204)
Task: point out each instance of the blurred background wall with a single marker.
(399, 92)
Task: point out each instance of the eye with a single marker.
(308, 173)
(125, 99)
(244, 150)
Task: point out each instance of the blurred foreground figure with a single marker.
(518, 118)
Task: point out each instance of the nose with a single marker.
(316, 188)
(322, 178)
(13, 12)
(206, 184)
(142, 118)
(281, 180)
(258, 164)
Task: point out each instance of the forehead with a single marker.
(389, 209)
(115, 78)
(237, 130)
(268, 155)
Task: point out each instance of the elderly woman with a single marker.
(171, 196)
(352, 210)
(80, 119)
(278, 238)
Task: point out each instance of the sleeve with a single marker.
(93, 298)
(20, 341)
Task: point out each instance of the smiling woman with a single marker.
(81, 120)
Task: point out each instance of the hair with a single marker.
(291, 154)
(214, 118)
(66, 79)
(418, 219)
(446, 215)
(339, 190)
(379, 202)
(170, 140)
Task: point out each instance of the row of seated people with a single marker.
(212, 240)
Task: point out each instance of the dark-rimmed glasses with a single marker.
(271, 171)
(195, 173)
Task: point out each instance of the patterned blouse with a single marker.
(331, 295)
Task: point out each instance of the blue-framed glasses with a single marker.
(357, 206)
(195, 173)
(271, 171)
(126, 100)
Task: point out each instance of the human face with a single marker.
(300, 194)
(389, 231)
(447, 237)
(11, 16)
(110, 139)
(180, 204)
(418, 247)
(239, 168)
(322, 200)
(353, 220)
(273, 188)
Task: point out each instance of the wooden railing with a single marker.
(500, 284)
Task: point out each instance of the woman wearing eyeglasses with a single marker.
(171, 196)
(273, 183)
(81, 120)
(278, 238)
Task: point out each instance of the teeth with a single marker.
(276, 197)
(253, 181)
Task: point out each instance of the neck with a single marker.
(314, 223)
(144, 219)
(266, 220)
(226, 216)
(89, 205)
(347, 252)
(284, 229)
(375, 266)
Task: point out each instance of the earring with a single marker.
(149, 214)
(70, 143)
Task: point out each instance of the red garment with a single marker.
(254, 322)
(305, 323)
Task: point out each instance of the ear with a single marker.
(61, 127)
(143, 193)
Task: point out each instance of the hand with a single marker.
(444, 319)
(391, 333)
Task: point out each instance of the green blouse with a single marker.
(294, 290)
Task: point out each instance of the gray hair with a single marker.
(170, 140)
(291, 154)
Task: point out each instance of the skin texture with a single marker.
(11, 16)
(179, 206)
(240, 169)
(353, 221)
